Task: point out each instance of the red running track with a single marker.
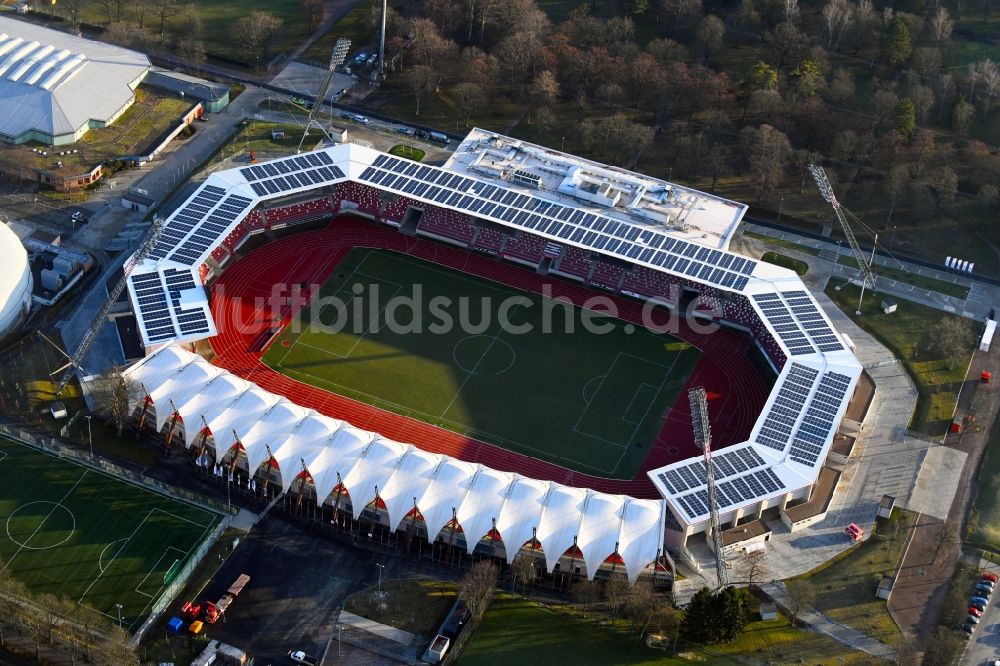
(243, 314)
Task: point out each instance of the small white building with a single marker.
(889, 305)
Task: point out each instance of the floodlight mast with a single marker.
(864, 265)
(337, 58)
(95, 326)
(703, 440)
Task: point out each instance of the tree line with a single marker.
(754, 89)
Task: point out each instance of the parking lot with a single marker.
(984, 646)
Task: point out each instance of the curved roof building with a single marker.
(55, 86)
(15, 280)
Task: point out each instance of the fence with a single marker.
(53, 446)
(168, 595)
(130, 476)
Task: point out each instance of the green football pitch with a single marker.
(592, 401)
(95, 540)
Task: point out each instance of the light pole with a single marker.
(380, 567)
(892, 239)
(119, 607)
(90, 436)
(781, 203)
(340, 652)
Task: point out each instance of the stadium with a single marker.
(578, 448)
(16, 281)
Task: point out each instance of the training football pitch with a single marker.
(592, 401)
(97, 541)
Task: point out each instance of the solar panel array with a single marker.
(190, 321)
(630, 242)
(742, 489)
(784, 324)
(212, 226)
(812, 321)
(184, 220)
(154, 311)
(727, 464)
(291, 173)
(792, 397)
(820, 419)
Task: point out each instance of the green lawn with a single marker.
(845, 586)
(917, 280)
(548, 385)
(517, 631)
(356, 25)
(781, 242)
(418, 606)
(78, 533)
(984, 522)
(407, 152)
(800, 267)
(905, 333)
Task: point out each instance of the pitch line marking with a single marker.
(56, 506)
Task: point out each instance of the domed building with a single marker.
(15, 281)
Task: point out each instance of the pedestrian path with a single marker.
(824, 625)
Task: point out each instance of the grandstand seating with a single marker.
(606, 275)
(739, 311)
(575, 262)
(525, 247)
(447, 224)
(646, 282)
(490, 239)
(298, 212)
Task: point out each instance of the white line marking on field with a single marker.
(55, 506)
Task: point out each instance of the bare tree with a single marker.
(543, 92)
(641, 603)
(165, 9)
(711, 31)
(616, 593)
(469, 97)
(254, 33)
(754, 567)
(768, 151)
(127, 35)
(791, 11)
(668, 621)
(115, 650)
(479, 587)
(585, 593)
(192, 52)
(950, 340)
(801, 596)
(837, 17)
(313, 9)
(940, 26)
(522, 570)
(418, 80)
(72, 10)
(112, 393)
(944, 535)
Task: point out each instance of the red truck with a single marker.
(214, 610)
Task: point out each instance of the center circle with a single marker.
(43, 524)
(484, 355)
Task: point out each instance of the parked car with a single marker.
(967, 628)
(361, 119)
(360, 58)
(985, 590)
(979, 600)
(990, 577)
(974, 611)
(372, 58)
(403, 129)
(971, 619)
(986, 581)
(978, 606)
(346, 115)
(300, 657)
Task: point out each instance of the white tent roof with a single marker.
(56, 83)
(15, 277)
(367, 464)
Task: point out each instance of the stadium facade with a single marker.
(16, 282)
(537, 207)
(55, 86)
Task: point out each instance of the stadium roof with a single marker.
(15, 278)
(56, 83)
(401, 475)
(793, 433)
(626, 196)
